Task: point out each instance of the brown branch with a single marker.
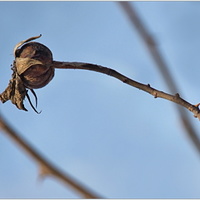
(147, 88)
(46, 168)
(162, 66)
(150, 43)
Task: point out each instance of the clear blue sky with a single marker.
(117, 140)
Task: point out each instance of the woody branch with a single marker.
(46, 168)
(147, 88)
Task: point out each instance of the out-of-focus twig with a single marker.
(162, 66)
(46, 168)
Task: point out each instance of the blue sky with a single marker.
(117, 140)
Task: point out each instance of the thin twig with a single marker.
(147, 88)
(162, 67)
(46, 168)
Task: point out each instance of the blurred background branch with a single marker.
(162, 66)
(46, 168)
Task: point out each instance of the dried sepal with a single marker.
(24, 64)
(16, 92)
(23, 42)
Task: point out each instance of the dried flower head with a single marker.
(32, 69)
(32, 63)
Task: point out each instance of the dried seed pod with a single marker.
(32, 68)
(33, 64)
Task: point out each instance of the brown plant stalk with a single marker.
(147, 88)
(46, 168)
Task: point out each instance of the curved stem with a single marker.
(147, 88)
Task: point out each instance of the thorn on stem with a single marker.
(43, 172)
(125, 80)
(155, 95)
(177, 95)
(197, 105)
